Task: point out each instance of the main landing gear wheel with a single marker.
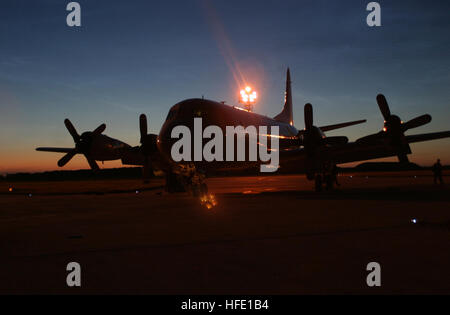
(329, 182)
(318, 183)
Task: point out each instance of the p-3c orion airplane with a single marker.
(306, 151)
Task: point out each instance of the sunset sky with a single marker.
(133, 57)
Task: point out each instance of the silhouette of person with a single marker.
(437, 172)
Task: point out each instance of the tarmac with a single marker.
(266, 235)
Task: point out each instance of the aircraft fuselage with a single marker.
(220, 115)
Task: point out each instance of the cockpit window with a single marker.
(198, 113)
(200, 110)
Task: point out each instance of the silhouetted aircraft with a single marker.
(308, 150)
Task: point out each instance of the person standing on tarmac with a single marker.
(437, 172)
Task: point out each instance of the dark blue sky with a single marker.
(132, 57)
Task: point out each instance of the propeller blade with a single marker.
(143, 126)
(384, 107)
(73, 132)
(66, 158)
(416, 122)
(92, 163)
(99, 130)
(308, 116)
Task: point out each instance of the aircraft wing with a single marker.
(343, 125)
(354, 152)
(340, 154)
(362, 151)
(427, 136)
(59, 150)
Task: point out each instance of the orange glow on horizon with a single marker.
(35, 162)
(423, 155)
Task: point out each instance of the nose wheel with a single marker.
(173, 184)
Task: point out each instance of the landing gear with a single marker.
(199, 190)
(187, 178)
(173, 184)
(329, 182)
(318, 183)
(146, 175)
(327, 177)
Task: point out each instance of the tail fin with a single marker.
(286, 116)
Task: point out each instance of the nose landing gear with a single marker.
(188, 179)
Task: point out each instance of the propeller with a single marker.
(416, 122)
(148, 146)
(308, 116)
(395, 127)
(384, 107)
(394, 122)
(313, 137)
(143, 127)
(83, 144)
(66, 158)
